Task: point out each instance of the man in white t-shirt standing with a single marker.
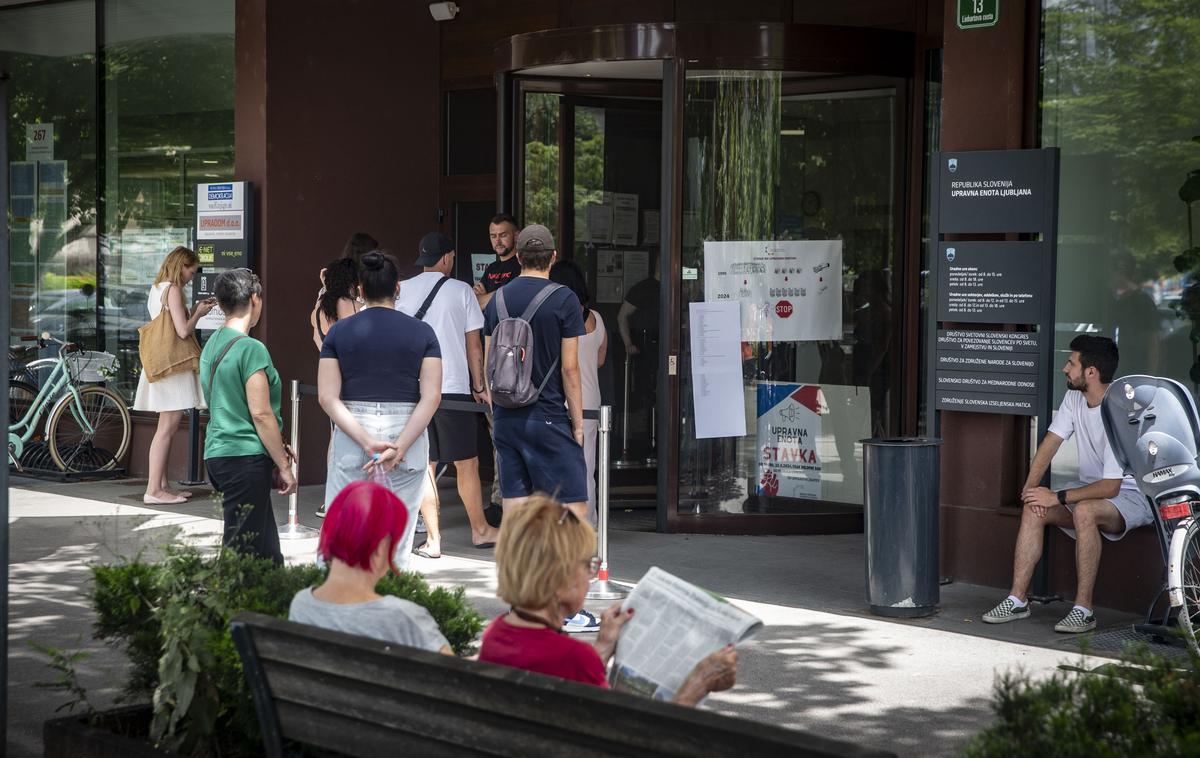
(1103, 501)
(449, 306)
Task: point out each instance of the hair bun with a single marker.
(373, 260)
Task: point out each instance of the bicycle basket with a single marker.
(91, 366)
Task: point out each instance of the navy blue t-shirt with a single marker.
(559, 317)
(379, 351)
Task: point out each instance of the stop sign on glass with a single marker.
(783, 309)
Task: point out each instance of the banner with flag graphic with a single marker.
(789, 422)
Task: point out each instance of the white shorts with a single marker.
(1131, 504)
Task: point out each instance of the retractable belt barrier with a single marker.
(601, 588)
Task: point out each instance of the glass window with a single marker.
(168, 118)
(49, 52)
(1121, 90)
(541, 161)
(810, 167)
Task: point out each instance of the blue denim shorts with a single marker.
(408, 480)
(539, 456)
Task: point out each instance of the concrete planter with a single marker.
(118, 733)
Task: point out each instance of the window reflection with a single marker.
(772, 157)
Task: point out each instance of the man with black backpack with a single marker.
(449, 306)
(532, 327)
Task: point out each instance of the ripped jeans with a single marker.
(383, 421)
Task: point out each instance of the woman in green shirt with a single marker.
(244, 443)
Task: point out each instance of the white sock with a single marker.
(1017, 602)
(1086, 611)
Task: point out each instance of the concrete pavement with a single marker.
(822, 663)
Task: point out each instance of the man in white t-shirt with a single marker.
(449, 306)
(1103, 501)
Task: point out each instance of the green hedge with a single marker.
(172, 619)
(1145, 706)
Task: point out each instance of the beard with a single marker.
(1081, 385)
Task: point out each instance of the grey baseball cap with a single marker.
(535, 238)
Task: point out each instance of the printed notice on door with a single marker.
(716, 370)
(788, 291)
(789, 423)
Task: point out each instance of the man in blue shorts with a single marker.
(539, 446)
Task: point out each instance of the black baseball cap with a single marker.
(433, 246)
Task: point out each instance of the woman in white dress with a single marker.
(174, 394)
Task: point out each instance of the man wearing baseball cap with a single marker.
(539, 446)
(449, 306)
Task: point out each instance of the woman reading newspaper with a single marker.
(544, 562)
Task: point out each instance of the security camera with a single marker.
(443, 11)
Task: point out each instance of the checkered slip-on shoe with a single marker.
(1005, 612)
(1078, 620)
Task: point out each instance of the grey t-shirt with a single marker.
(390, 618)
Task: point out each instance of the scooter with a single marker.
(1153, 429)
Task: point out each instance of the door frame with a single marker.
(895, 55)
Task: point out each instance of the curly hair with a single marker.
(341, 277)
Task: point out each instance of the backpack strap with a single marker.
(501, 310)
(538, 299)
(429, 298)
(212, 369)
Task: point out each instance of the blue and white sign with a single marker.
(789, 423)
(220, 197)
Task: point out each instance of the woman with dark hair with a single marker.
(380, 380)
(244, 440)
(365, 521)
(359, 244)
(337, 299)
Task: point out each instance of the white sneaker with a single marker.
(581, 623)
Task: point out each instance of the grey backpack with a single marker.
(510, 360)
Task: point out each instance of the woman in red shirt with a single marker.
(545, 561)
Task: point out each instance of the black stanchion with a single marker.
(193, 477)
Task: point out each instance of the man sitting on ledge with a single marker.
(1102, 501)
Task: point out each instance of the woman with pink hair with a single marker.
(362, 525)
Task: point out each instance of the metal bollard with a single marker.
(624, 461)
(293, 529)
(603, 588)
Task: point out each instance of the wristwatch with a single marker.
(1062, 497)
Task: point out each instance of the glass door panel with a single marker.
(803, 174)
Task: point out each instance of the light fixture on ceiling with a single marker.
(443, 11)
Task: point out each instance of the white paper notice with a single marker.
(717, 394)
(599, 223)
(789, 290)
(649, 227)
(625, 219)
(609, 285)
(479, 264)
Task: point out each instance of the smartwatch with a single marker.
(1062, 497)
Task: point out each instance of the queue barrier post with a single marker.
(293, 529)
(603, 588)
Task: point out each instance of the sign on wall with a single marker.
(986, 191)
(789, 423)
(992, 282)
(988, 372)
(978, 14)
(224, 234)
(789, 290)
(39, 142)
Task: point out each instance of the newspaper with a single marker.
(675, 626)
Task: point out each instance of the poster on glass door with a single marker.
(789, 290)
(789, 423)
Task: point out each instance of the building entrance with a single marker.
(744, 225)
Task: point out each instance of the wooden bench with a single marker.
(363, 697)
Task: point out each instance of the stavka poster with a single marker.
(789, 422)
(789, 290)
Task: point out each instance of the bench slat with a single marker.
(326, 685)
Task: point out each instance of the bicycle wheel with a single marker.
(1189, 579)
(73, 448)
(20, 397)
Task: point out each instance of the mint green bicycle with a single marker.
(87, 426)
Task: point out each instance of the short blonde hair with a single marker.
(171, 269)
(538, 549)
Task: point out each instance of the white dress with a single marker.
(177, 392)
(589, 357)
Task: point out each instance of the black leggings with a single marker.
(244, 482)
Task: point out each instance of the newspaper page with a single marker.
(675, 626)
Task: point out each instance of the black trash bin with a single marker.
(901, 514)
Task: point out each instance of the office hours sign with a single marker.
(789, 290)
(789, 423)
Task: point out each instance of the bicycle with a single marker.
(1154, 431)
(87, 427)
